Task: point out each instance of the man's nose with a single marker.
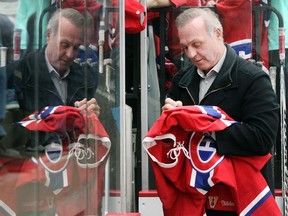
(191, 52)
(71, 52)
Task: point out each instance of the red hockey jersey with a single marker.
(187, 167)
(71, 170)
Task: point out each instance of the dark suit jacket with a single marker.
(35, 88)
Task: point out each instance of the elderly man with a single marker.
(50, 77)
(217, 76)
(51, 71)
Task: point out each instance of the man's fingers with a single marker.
(179, 103)
(167, 107)
(95, 108)
(90, 105)
(79, 104)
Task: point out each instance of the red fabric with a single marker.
(236, 18)
(177, 145)
(62, 119)
(9, 171)
(81, 194)
(179, 3)
(135, 17)
(76, 4)
(79, 166)
(81, 5)
(135, 21)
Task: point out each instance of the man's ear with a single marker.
(48, 34)
(218, 33)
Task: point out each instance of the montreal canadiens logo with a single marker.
(53, 152)
(54, 159)
(203, 153)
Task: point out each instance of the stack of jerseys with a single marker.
(191, 177)
(68, 178)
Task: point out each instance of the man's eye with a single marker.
(197, 45)
(65, 45)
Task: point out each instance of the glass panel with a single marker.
(59, 156)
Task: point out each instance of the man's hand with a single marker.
(169, 104)
(90, 105)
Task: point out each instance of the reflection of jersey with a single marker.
(87, 55)
(9, 170)
(71, 167)
(187, 167)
